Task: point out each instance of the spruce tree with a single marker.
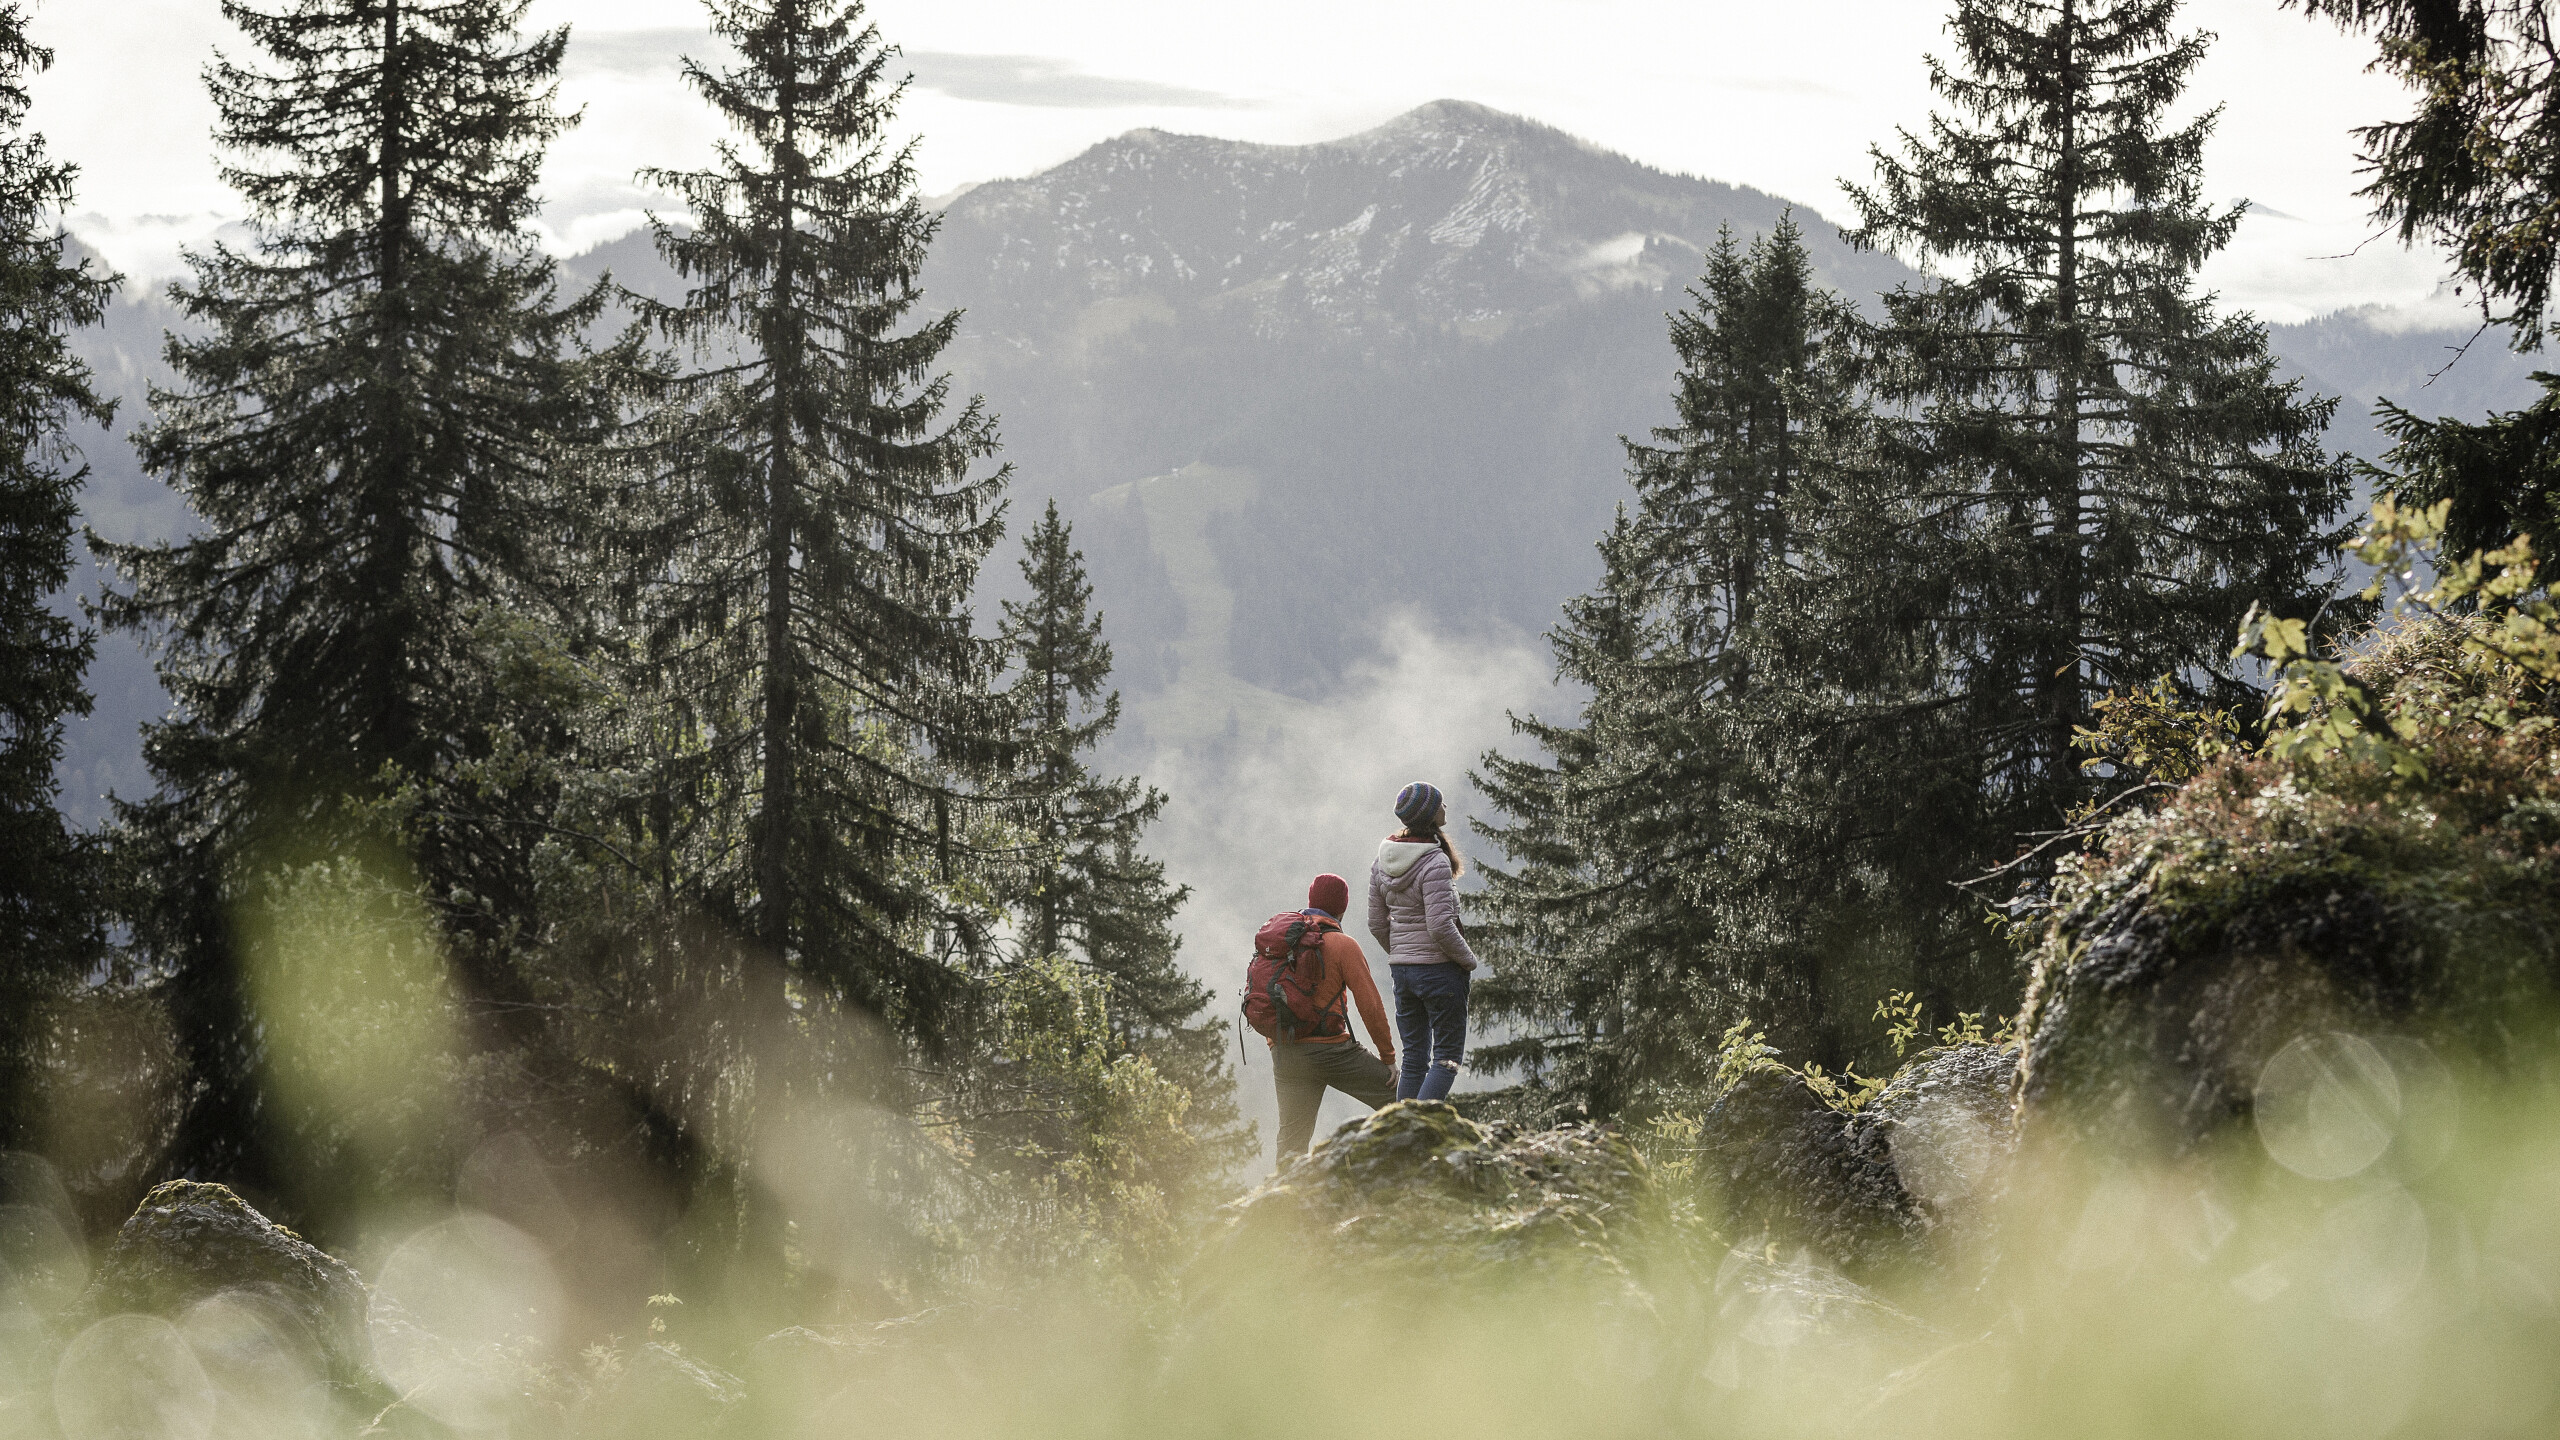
(1647, 851)
(1560, 919)
(817, 535)
(1083, 887)
(2085, 476)
(2501, 473)
(49, 930)
(369, 397)
(2476, 166)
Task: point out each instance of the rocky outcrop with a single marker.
(1880, 1190)
(1418, 1189)
(2156, 1024)
(660, 1390)
(1785, 1167)
(2370, 901)
(190, 1243)
(796, 1372)
(1775, 1303)
(2226, 928)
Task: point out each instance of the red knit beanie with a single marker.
(1330, 894)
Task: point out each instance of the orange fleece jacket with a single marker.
(1346, 967)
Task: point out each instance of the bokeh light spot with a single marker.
(462, 1310)
(2327, 1105)
(132, 1377)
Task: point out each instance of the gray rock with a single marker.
(1947, 1127)
(1787, 1169)
(2149, 1024)
(661, 1391)
(1774, 1303)
(189, 1242)
(794, 1373)
(1416, 1189)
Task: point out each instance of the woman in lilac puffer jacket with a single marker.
(1413, 910)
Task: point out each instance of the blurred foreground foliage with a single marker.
(1512, 1284)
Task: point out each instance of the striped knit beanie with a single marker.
(1417, 803)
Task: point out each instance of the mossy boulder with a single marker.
(1787, 1171)
(2267, 900)
(189, 1243)
(1418, 1189)
(1882, 1189)
(1947, 1127)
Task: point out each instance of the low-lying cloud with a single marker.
(1041, 81)
(1304, 789)
(1046, 82)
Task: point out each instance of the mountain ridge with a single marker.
(1454, 205)
(1422, 434)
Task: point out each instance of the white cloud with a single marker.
(146, 249)
(1303, 789)
(2288, 268)
(585, 232)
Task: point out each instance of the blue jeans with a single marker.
(1431, 1028)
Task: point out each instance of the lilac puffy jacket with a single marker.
(1413, 909)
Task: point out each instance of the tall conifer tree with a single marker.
(820, 531)
(366, 409)
(1648, 851)
(1086, 888)
(48, 918)
(2475, 167)
(2086, 476)
(2500, 473)
(2064, 474)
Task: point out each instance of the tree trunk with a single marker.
(778, 821)
(2061, 680)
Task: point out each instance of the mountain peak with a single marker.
(1442, 117)
(1452, 217)
(1427, 123)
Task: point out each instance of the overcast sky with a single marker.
(1782, 96)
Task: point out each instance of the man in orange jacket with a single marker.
(1301, 1069)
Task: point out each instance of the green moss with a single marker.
(1419, 1192)
(2265, 897)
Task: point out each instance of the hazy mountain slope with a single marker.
(2362, 357)
(1452, 216)
(1407, 355)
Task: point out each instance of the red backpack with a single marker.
(1280, 986)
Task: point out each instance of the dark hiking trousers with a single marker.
(1431, 1025)
(1302, 1071)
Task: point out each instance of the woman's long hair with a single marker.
(1425, 830)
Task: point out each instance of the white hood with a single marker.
(1395, 857)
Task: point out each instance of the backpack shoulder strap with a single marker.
(1317, 929)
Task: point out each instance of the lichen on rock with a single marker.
(189, 1242)
(1417, 1188)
